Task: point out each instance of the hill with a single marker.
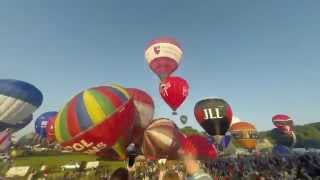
(308, 135)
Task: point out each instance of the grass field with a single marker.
(54, 162)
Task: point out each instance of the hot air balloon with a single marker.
(215, 116)
(184, 119)
(144, 105)
(174, 90)
(200, 147)
(96, 119)
(19, 100)
(42, 122)
(163, 56)
(161, 140)
(283, 122)
(50, 130)
(281, 150)
(17, 126)
(245, 135)
(283, 138)
(5, 140)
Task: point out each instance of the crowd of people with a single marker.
(257, 167)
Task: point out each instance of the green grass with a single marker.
(54, 162)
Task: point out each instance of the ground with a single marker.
(54, 163)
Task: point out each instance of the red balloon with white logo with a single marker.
(163, 56)
(174, 91)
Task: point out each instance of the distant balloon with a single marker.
(50, 129)
(200, 147)
(184, 119)
(163, 56)
(96, 119)
(161, 140)
(19, 100)
(245, 134)
(281, 150)
(145, 109)
(174, 90)
(283, 138)
(214, 115)
(283, 122)
(42, 122)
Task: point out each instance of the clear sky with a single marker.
(261, 56)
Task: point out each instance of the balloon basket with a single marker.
(174, 113)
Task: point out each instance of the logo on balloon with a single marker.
(156, 50)
(208, 114)
(89, 147)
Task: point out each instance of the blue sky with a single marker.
(261, 56)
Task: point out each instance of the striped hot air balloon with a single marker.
(161, 140)
(18, 100)
(96, 119)
(163, 56)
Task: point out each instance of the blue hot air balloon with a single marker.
(18, 100)
(281, 150)
(42, 122)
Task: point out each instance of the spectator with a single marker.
(120, 174)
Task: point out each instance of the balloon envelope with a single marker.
(245, 134)
(50, 129)
(200, 147)
(19, 100)
(214, 115)
(17, 126)
(97, 118)
(281, 150)
(283, 122)
(174, 90)
(283, 138)
(144, 105)
(42, 122)
(161, 140)
(163, 56)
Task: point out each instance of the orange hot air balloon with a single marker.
(245, 135)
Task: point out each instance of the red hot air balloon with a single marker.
(200, 147)
(283, 122)
(163, 56)
(144, 105)
(174, 90)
